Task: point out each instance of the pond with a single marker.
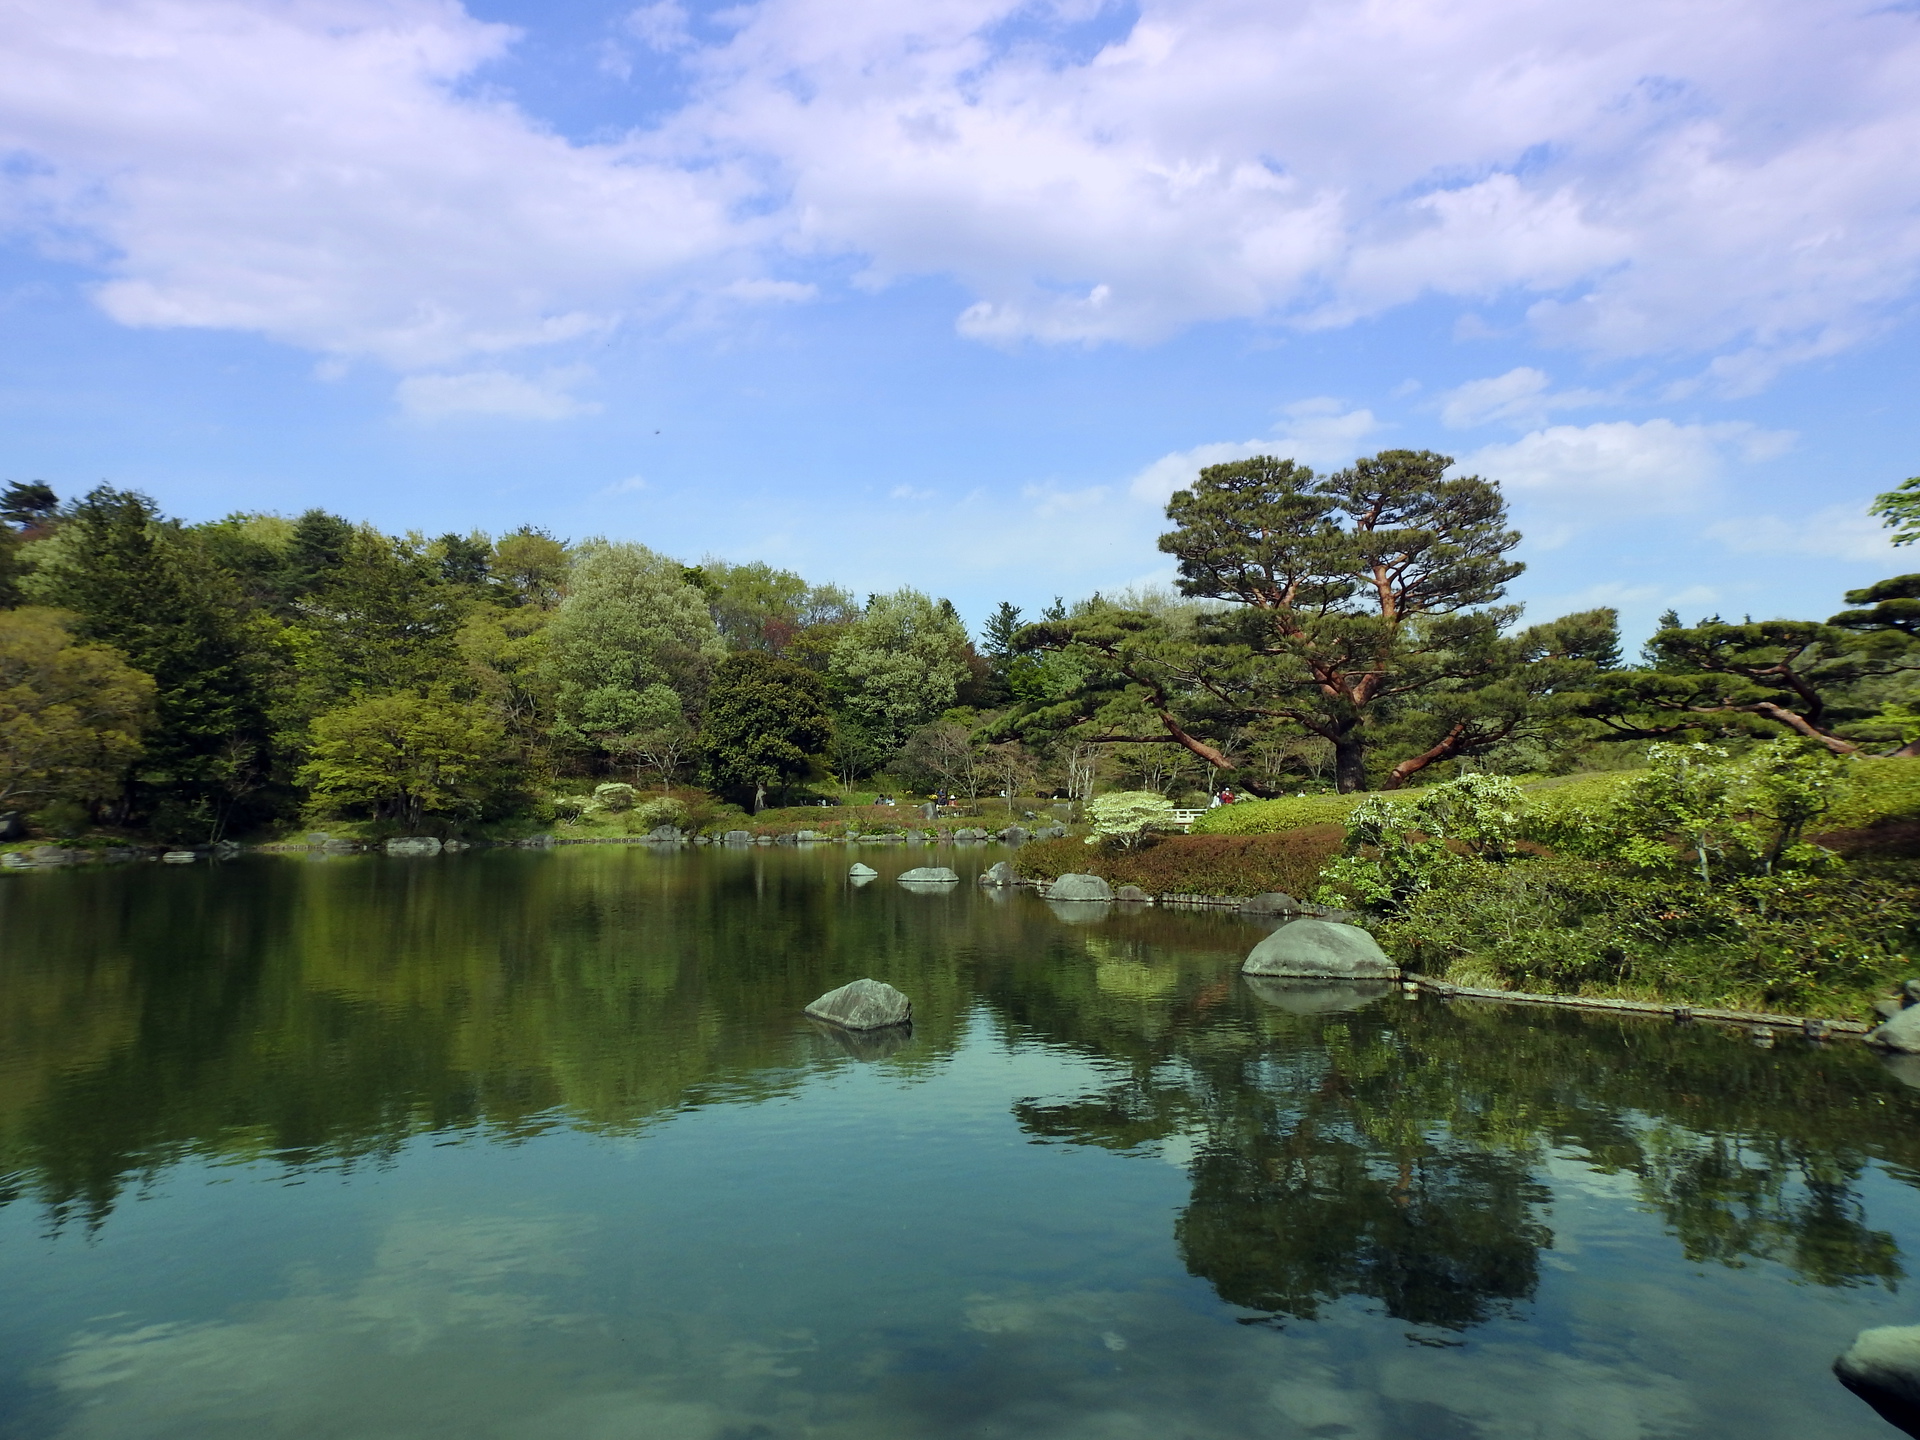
(538, 1144)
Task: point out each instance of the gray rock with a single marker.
(1901, 1033)
(59, 855)
(1080, 887)
(1014, 835)
(1316, 997)
(1911, 989)
(413, 845)
(1274, 902)
(863, 1005)
(998, 874)
(862, 872)
(808, 837)
(1904, 1068)
(763, 839)
(1882, 1367)
(914, 837)
(178, 857)
(14, 860)
(1320, 948)
(930, 874)
(665, 835)
(1131, 892)
(737, 837)
(1887, 1009)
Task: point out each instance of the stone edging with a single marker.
(1812, 1027)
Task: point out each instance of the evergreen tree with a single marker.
(765, 719)
(138, 584)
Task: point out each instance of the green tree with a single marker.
(1733, 680)
(71, 713)
(1346, 593)
(141, 585)
(531, 567)
(756, 607)
(765, 719)
(631, 647)
(1899, 510)
(901, 664)
(1892, 604)
(404, 757)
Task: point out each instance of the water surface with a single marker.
(522, 1144)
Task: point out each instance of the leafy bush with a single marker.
(616, 796)
(1194, 864)
(1396, 848)
(1273, 817)
(1127, 817)
(661, 810)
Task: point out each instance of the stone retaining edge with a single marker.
(1809, 1025)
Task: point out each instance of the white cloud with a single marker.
(1839, 532)
(495, 392)
(1620, 469)
(1319, 432)
(312, 173)
(632, 485)
(328, 174)
(1522, 396)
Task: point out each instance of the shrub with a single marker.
(615, 796)
(661, 810)
(1127, 817)
(1273, 817)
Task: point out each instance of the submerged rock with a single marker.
(1882, 1367)
(1131, 892)
(863, 1005)
(1080, 887)
(1320, 948)
(1901, 1033)
(999, 875)
(1274, 902)
(929, 875)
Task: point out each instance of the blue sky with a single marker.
(953, 293)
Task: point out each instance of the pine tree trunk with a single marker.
(1349, 763)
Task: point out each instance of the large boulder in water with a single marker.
(999, 874)
(1901, 1033)
(1312, 949)
(929, 875)
(1274, 902)
(1882, 1367)
(861, 872)
(863, 1005)
(1080, 887)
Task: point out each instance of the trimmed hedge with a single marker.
(1272, 817)
(1194, 864)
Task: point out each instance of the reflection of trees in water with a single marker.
(1395, 1153)
(324, 1014)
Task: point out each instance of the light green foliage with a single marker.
(1126, 817)
(901, 663)
(1401, 845)
(70, 713)
(403, 757)
(661, 810)
(1732, 817)
(530, 566)
(615, 796)
(631, 647)
(1881, 790)
(757, 607)
(1270, 817)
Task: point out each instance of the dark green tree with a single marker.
(764, 721)
(1892, 604)
(141, 585)
(1750, 678)
(28, 504)
(1340, 602)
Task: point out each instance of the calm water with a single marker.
(529, 1145)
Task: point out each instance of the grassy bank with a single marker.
(1194, 864)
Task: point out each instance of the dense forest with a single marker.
(1343, 632)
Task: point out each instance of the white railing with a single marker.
(1185, 818)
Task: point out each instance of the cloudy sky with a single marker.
(955, 292)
